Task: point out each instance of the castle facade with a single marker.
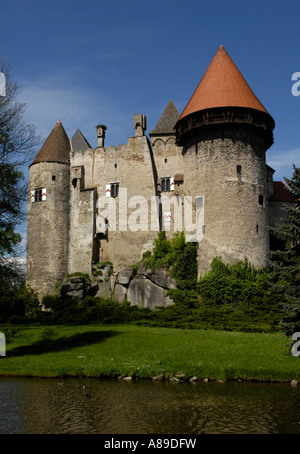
(202, 171)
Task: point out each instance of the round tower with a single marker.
(225, 131)
(48, 213)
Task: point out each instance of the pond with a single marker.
(97, 406)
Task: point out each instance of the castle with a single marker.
(202, 171)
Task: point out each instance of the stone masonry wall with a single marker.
(235, 197)
(48, 225)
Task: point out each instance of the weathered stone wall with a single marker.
(82, 230)
(235, 215)
(48, 226)
(169, 163)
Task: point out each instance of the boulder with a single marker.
(161, 278)
(124, 276)
(76, 294)
(77, 280)
(144, 293)
(69, 287)
(120, 293)
(103, 289)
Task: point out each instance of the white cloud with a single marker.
(56, 98)
(282, 162)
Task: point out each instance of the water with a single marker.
(46, 406)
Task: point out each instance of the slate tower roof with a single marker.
(167, 121)
(57, 147)
(79, 142)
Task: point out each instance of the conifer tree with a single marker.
(285, 264)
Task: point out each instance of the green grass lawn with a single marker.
(143, 352)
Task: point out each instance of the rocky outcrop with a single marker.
(145, 288)
(144, 293)
(75, 288)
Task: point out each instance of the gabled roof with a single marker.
(222, 86)
(167, 121)
(79, 142)
(56, 148)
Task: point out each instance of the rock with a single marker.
(77, 280)
(76, 294)
(206, 380)
(179, 375)
(124, 276)
(193, 379)
(112, 281)
(120, 293)
(220, 381)
(69, 287)
(142, 292)
(161, 278)
(103, 289)
(175, 380)
(294, 383)
(158, 377)
(127, 378)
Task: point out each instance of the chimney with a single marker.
(101, 134)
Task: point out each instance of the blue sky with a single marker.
(94, 62)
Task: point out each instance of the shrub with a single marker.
(20, 302)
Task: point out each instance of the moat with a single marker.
(94, 406)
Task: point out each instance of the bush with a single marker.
(20, 302)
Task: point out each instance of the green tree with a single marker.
(285, 264)
(17, 143)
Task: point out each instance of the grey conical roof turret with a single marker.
(167, 121)
(79, 142)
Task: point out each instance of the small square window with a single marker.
(53, 177)
(261, 199)
(238, 169)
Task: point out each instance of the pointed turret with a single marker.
(79, 142)
(48, 213)
(56, 148)
(222, 86)
(224, 132)
(223, 95)
(166, 123)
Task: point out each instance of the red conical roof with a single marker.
(57, 147)
(222, 86)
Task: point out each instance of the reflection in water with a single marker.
(44, 406)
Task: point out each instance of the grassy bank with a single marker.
(144, 352)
